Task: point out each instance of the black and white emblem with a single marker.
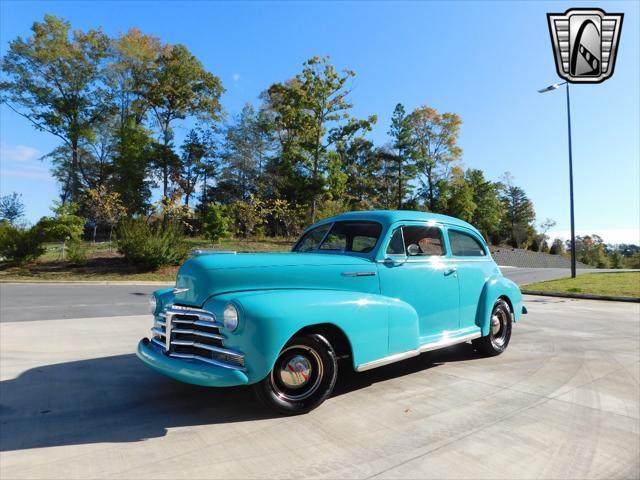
(585, 43)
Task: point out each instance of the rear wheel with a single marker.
(302, 378)
(500, 333)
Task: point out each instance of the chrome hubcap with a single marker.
(296, 372)
(495, 324)
(499, 327)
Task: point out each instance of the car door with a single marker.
(474, 268)
(418, 270)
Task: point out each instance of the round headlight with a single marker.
(153, 304)
(230, 317)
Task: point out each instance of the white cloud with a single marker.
(236, 77)
(18, 153)
(608, 235)
(31, 174)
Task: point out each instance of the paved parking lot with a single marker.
(562, 402)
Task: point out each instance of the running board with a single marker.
(427, 347)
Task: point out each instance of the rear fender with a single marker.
(498, 286)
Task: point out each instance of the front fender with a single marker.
(270, 318)
(498, 286)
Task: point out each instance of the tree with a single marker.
(541, 236)
(353, 169)
(66, 225)
(305, 112)
(489, 208)
(131, 167)
(106, 207)
(244, 155)
(133, 63)
(616, 259)
(519, 213)
(216, 223)
(456, 196)
(402, 158)
(11, 207)
(435, 144)
(53, 79)
(191, 167)
(248, 216)
(590, 249)
(178, 87)
(557, 247)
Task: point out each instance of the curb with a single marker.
(583, 296)
(83, 282)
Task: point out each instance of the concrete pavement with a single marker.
(562, 402)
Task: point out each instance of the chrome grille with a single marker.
(193, 333)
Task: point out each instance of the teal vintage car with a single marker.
(371, 288)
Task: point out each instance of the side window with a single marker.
(396, 246)
(312, 239)
(335, 241)
(423, 241)
(363, 243)
(463, 245)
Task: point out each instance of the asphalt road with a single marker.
(22, 302)
(561, 402)
(42, 301)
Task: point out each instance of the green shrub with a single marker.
(19, 244)
(77, 251)
(64, 226)
(633, 261)
(216, 223)
(151, 246)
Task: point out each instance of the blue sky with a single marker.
(484, 61)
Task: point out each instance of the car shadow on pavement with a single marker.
(118, 399)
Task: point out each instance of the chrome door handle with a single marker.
(449, 271)
(358, 274)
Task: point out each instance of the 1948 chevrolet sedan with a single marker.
(371, 287)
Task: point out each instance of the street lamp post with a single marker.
(550, 88)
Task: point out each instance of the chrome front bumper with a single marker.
(189, 370)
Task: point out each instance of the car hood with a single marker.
(212, 274)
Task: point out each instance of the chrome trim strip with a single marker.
(358, 274)
(396, 357)
(447, 342)
(427, 347)
(157, 331)
(211, 361)
(200, 323)
(195, 312)
(158, 343)
(189, 331)
(210, 251)
(167, 336)
(204, 346)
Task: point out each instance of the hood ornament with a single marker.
(180, 290)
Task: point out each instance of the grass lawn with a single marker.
(623, 284)
(105, 265)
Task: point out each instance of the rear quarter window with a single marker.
(464, 245)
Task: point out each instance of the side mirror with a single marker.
(413, 250)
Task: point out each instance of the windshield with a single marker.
(355, 237)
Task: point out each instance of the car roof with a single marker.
(387, 217)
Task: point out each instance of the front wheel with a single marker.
(302, 378)
(501, 322)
